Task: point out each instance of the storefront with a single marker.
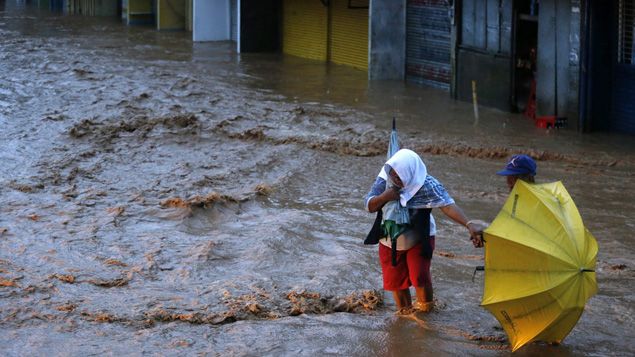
(305, 29)
(428, 42)
(607, 98)
(335, 31)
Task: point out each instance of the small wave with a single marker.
(142, 124)
(245, 307)
(208, 200)
(205, 201)
(354, 144)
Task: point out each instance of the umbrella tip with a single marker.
(394, 125)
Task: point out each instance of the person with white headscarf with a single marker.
(403, 196)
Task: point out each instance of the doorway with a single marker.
(608, 67)
(525, 49)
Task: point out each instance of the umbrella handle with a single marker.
(478, 268)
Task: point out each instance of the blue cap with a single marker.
(519, 165)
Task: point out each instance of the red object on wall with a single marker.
(530, 109)
(549, 121)
(546, 122)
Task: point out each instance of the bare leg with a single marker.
(402, 298)
(424, 298)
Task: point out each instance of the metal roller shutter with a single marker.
(348, 35)
(234, 20)
(624, 99)
(305, 26)
(623, 116)
(428, 43)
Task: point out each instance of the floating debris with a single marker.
(618, 267)
(8, 283)
(263, 189)
(205, 201)
(142, 124)
(109, 283)
(24, 187)
(67, 278)
(66, 307)
(446, 254)
(115, 262)
(116, 211)
(315, 303)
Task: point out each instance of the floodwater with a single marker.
(167, 197)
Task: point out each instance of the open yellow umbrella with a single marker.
(539, 264)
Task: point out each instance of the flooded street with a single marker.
(175, 198)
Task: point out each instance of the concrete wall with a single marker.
(105, 7)
(598, 66)
(484, 52)
(556, 36)
(573, 97)
(171, 14)
(546, 59)
(387, 39)
(189, 14)
(211, 20)
(492, 75)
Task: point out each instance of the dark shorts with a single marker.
(412, 269)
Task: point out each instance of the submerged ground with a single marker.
(166, 197)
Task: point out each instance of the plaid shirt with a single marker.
(431, 195)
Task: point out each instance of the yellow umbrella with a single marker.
(539, 264)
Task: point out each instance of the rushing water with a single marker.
(168, 197)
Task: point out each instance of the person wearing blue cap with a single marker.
(519, 167)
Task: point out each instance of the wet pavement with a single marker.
(169, 197)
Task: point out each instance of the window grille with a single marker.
(358, 4)
(626, 40)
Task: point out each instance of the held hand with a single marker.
(476, 228)
(377, 202)
(477, 240)
(476, 234)
(391, 194)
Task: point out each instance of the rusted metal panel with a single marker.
(428, 43)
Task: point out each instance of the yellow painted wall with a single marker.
(348, 35)
(305, 26)
(140, 11)
(171, 14)
(139, 7)
(188, 15)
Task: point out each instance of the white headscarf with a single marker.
(411, 170)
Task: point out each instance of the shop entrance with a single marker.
(525, 49)
(608, 67)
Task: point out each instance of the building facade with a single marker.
(568, 59)
(562, 59)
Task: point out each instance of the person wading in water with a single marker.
(403, 194)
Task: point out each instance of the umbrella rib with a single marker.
(541, 291)
(564, 222)
(568, 227)
(560, 248)
(562, 216)
(566, 282)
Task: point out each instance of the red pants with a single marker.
(412, 269)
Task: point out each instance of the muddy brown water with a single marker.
(168, 197)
